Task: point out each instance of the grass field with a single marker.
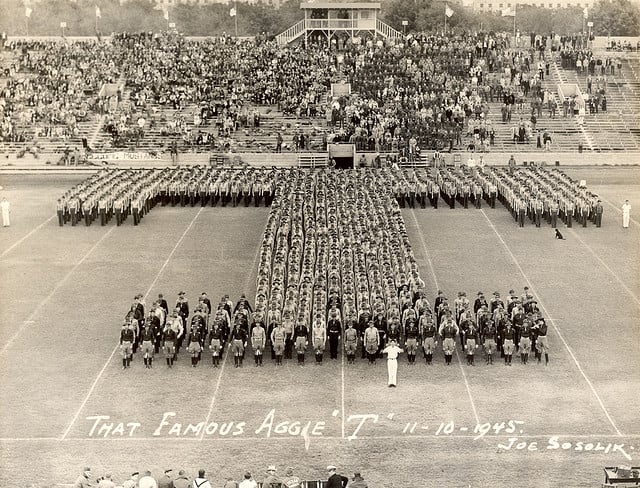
(65, 290)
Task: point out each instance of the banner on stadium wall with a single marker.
(340, 89)
(123, 156)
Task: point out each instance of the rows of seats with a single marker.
(617, 129)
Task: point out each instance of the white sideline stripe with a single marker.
(575, 360)
(363, 437)
(226, 354)
(466, 383)
(20, 241)
(435, 282)
(53, 292)
(631, 294)
(95, 382)
(342, 425)
(634, 221)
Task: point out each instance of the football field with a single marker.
(67, 403)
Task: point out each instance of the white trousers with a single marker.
(392, 367)
(625, 220)
(6, 222)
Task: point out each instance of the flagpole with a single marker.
(445, 19)
(235, 6)
(514, 19)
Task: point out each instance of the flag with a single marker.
(98, 13)
(27, 12)
(585, 12)
(232, 12)
(508, 12)
(448, 11)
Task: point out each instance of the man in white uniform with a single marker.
(6, 210)
(392, 351)
(626, 213)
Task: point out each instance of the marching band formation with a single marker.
(336, 266)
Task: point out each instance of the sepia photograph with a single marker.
(319, 244)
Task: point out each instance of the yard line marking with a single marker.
(424, 247)
(634, 221)
(466, 383)
(435, 282)
(575, 360)
(95, 382)
(254, 266)
(33, 231)
(633, 295)
(342, 397)
(30, 319)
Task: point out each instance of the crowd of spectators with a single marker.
(181, 479)
(55, 87)
(424, 92)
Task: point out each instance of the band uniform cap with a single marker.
(86, 469)
(271, 468)
(181, 293)
(331, 467)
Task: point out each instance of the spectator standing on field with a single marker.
(626, 213)
(5, 206)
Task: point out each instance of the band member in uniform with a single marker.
(412, 337)
(319, 339)
(182, 308)
(127, 338)
(472, 339)
(301, 340)
(60, 210)
(542, 343)
(148, 346)
(363, 323)
(258, 341)
(380, 323)
(169, 341)
(195, 342)
(334, 331)
(428, 333)
(278, 338)
(448, 331)
(351, 342)
(238, 342)
(490, 333)
(525, 339)
(371, 342)
(508, 343)
(216, 340)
